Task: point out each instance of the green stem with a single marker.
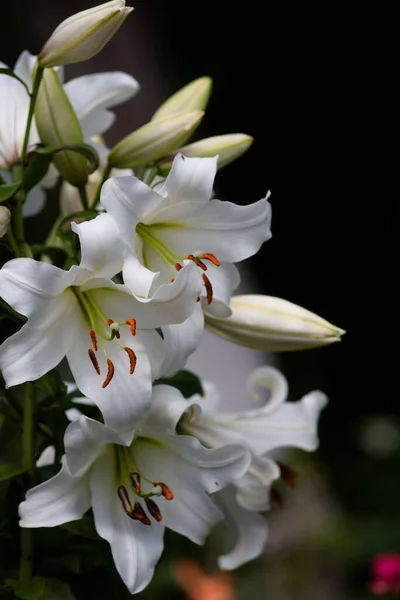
(84, 197)
(106, 175)
(35, 90)
(29, 461)
(12, 242)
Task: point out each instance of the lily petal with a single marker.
(101, 245)
(91, 96)
(61, 499)
(135, 547)
(189, 180)
(84, 441)
(250, 529)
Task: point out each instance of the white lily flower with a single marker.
(272, 324)
(83, 315)
(276, 424)
(180, 221)
(91, 97)
(136, 487)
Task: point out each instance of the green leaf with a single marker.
(9, 470)
(84, 149)
(10, 73)
(186, 382)
(7, 190)
(84, 527)
(34, 590)
(36, 168)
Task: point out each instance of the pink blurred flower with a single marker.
(385, 572)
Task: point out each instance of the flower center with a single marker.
(102, 330)
(171, 258)
(139, 483)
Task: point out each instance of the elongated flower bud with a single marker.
(58, 125)
(229, 147)
(194, 96)
(83, 35)
(5, 218)
(154, 140)
(272, 324)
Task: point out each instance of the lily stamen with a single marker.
(211, 258)
(153, 509)
(110, 373)
(132, 359)
(166, 492)
(93, 337)
(125, 501)
(208, 286)
(94, 360)
(132, 324)
(136, 482)
(140, 515)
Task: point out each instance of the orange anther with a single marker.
(200, 264)
(166, 492)
(95, 363)
(93, 337)
(140, 515)
(178, 267)
(153, 509)
(132, 359)
(211, 258)
(110, 373)
(209, 290)
(124, 497)
(132, 324)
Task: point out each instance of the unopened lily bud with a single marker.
(228, 148)
(272, 324)
(84, 34)
(194, 96)
(154, 140)
(58, 126)
(5, 218)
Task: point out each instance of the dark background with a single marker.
(319, 91)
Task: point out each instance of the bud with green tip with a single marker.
(5, 218)
(84, 34)
(272, 324)
(154, 140)
(228, 147)
(193, 96)
(58, 125)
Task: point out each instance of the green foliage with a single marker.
(34, 590)
(7, 190)
(9, 470)
(185, 381)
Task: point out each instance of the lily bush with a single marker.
(141, 259)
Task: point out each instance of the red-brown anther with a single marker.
(124, 497)
(95, 363)
(211, 258)
(132, 324)
(153, 509)
(93, 337)
(287, 474)
(117, 333)
(166, 492)
(172, 280)
(198, 299)
(110, 373)
(140, 515)
(197, 261)
(136, 482)
(132, 359)
(275, 496)
(177, 266)
(209, 290)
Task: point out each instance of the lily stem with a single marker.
(84, 197)
(29, 461)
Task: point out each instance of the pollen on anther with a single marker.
(140, 515)
(94, 360)
(110, 373)
(136, 482)
(208, 286)
(132, 359)
(124, 497)
(93, 337)
(132, 324)
(178, 266)
(211, 258)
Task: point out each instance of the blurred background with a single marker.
(320, 92)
